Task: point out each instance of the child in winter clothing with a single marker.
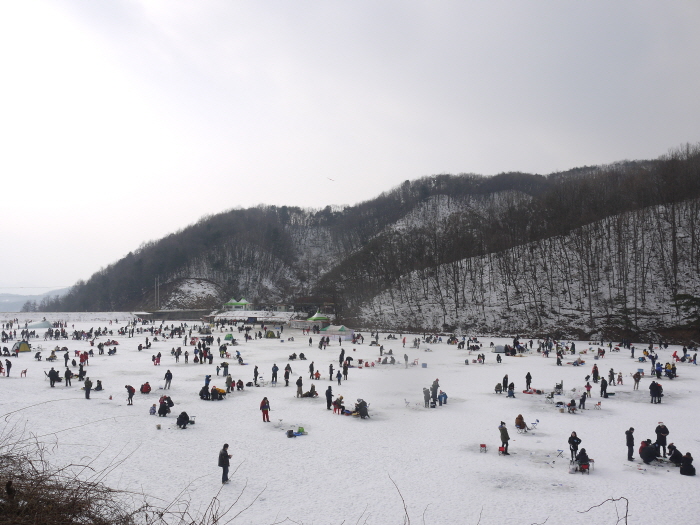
(265, 409)
(152, 410)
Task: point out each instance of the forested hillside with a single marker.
(448, 251)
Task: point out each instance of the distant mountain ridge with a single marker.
(10, 302)
(364, 256)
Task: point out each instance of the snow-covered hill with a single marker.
(616, 274)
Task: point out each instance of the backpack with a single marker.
(290, 434)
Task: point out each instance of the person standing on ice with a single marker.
(504, 438)
(574, 442)
(405, 359)
(265, 408)
(330, 371)
(300, 391)
(426, 397)
(255, 375)
(339, 376)
(661, 433)
(528, 380)
(434, 391)
(505, 382)
(275, 369)
(329, 398)
(311, 370)
(88, 387)
(224, 463)
(629, 438)
(582, 401)
(168, 378)
(130, 391)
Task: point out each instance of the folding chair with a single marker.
(501, 451)
(415, 362)
(597, 406)
(533, 426)
(483, 448)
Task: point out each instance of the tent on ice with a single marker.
(318, 319)
(334, 331)
(21, 346)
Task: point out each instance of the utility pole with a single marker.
(156, 292)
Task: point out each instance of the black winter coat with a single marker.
(676, 457)
(661, 433)
(649, 453)
(687, 468)
(223, 458)
(574, 442)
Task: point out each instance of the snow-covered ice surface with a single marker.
(342, 471)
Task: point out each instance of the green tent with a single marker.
(228, 337)
(237, 305)
(318, 316)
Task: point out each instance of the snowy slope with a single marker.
(342, 471)
(192, 293)
(614, 274)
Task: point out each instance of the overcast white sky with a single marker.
(123, 121)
